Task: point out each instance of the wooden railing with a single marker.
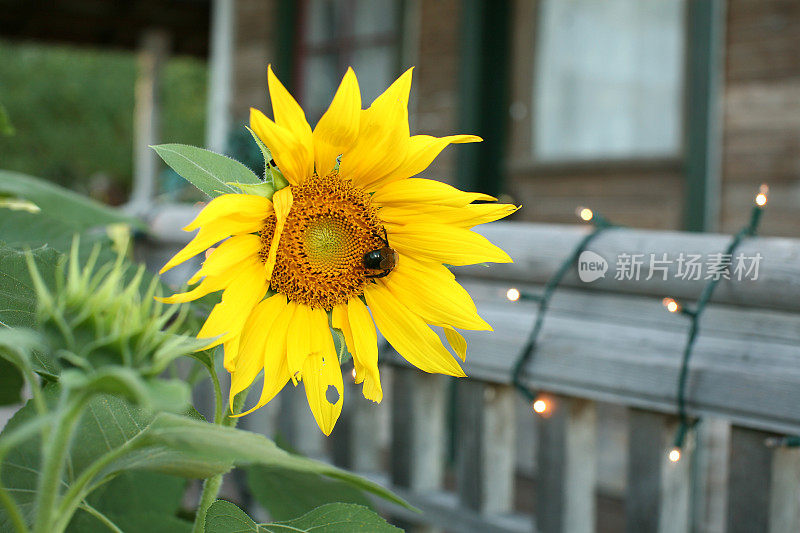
(474, 457)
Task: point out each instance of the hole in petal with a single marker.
(332, 395)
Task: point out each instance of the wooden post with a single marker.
(485, 446)
(418, 429)
(658, 491)
(297, 425)
(220, 74)
(567, 467)
(355, 440)
(152, 55)
(784, 504)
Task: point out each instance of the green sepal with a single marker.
(259, 189)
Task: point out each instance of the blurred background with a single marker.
(657, 113)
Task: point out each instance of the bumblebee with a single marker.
(382, 259)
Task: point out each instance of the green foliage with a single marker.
(225, 517)
(210, 172)
(51, 214)
(6, 128)
(288, 494)
(72, 109)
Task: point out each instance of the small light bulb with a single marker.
(540, 406)
(512, 294)
(353, 373)
(584, 213)
(674, 455)
(671, 305)
(761, 199)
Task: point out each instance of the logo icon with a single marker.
(591, 266)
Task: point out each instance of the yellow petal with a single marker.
(409, 334)
(383, 136)
(366, 348)
(299, 345)
(340, 321)
(207, 286)
(288, 113)
(421, 190)
(228, 255)
(230, 352)
(240, 205)
(422, 150)
(250, 360)
(465, 217)
(429, 290)
(276, 370)
(338, 127)
(294, 158)
(445, 244)
(282, 201)
(321, 375)
(227, 317)
(210, 235)
(457, 342)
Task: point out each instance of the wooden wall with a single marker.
(641, 194)
(762, 113)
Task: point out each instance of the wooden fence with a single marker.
(474, 457)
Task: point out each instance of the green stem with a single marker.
(53, 463)
(212, 485)
(80, 488)
(103, 518)
(15, 437)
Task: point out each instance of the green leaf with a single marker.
(136, 501)
(16, 351)
(208, 171)
(267, 156)
(287, 494)
(17, 296)
(225, 517)
(58, 214)
(240, 447)
(11, 382)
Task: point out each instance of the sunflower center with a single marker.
(331, 225)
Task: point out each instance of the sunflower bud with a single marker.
(99, 317)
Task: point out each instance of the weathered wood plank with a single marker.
(658, 489)
(749, 481)
(627, 349)
(539, 249)
(485, 441)
(567, 467)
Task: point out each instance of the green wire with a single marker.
(684, 423)
(526, 355)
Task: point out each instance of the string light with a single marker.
(761, 197)
(672, 306)
(600, 224)
(674, 455)
(353, 373)
(584, 213)
(512, 294)
(540, 406)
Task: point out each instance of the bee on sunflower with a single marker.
(352, 242)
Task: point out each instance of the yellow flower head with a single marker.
(347, 247)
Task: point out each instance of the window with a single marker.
(608, 80)
(364, 34)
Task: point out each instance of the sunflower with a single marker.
(352, 242)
